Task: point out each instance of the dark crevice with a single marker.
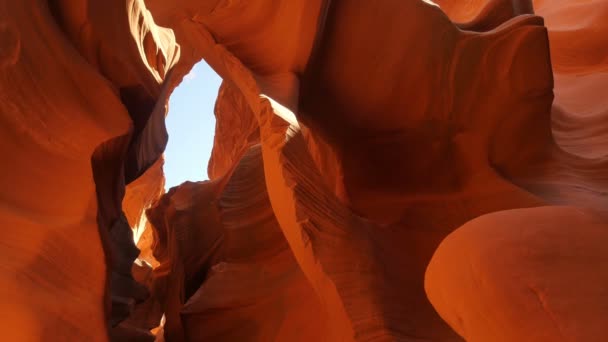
(121, 160)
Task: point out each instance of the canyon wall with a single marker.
(387, 170)
(83, 88)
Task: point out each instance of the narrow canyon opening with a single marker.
(191, 126)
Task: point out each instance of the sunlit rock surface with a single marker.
(224, 260)
(382, 170)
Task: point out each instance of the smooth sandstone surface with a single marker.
(385, 170)
(527, 274)
(79, 84)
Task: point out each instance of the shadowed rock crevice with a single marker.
(140, 86)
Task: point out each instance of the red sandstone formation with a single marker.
(219, 271)
(524, 275)
(83, 87)
(382, 170)
(139, 196)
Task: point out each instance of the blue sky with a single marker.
(191, 126)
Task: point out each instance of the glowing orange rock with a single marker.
(352, 139)
(524, 275)
(82, 109)
(224, 261)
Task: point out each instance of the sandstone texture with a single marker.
(390, 170)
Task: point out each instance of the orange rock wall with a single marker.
(83, 90)
(387, 142)
(386, 170)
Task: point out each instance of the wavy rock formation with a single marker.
(83, 90)
(139, 196)
(224, 260)
(524, 275)
(382, 170)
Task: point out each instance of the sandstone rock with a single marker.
(53, 273)
(77, 92)
(139, 196)
(524, 275)
(183, 248)
(236, 130)
(367, 154)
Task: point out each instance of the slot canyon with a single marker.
(387, 170)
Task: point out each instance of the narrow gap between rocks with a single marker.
(191, 126)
